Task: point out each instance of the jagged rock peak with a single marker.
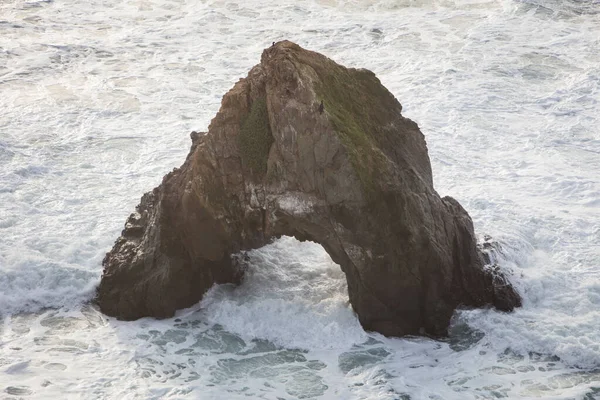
(308, 148)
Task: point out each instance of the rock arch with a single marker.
(354, 177)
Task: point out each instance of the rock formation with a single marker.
(353, 175)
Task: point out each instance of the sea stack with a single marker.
(356, 179)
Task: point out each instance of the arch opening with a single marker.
(292, 294)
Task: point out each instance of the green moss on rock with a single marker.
(256, 138)
(358, 106)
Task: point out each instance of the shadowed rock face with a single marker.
(355, 178)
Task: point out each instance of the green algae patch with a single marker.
(256, 138)
(358, 106)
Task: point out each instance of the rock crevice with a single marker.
(354, 177)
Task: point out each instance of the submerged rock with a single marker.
(353, 175)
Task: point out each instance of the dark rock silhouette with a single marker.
(356, 179)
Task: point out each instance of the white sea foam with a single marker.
(293, 295)
(97, 102)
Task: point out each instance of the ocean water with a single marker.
(97, 99)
